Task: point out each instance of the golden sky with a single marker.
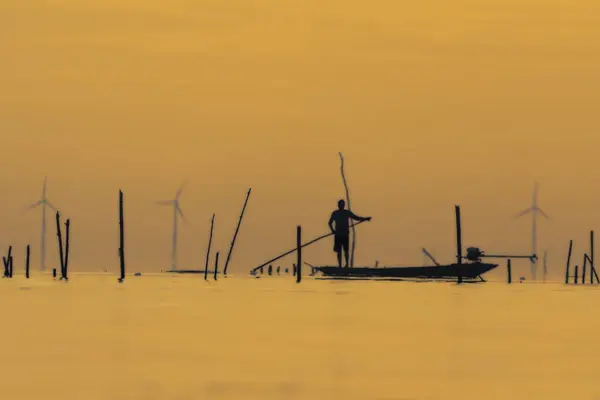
(433, 103)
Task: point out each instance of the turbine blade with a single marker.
(180, 190)
(50, 205)
(34, 205)
(181, 214)
(524, 212)
(165, 202)
(44, 188)
(543, 213)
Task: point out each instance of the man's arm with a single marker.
(357, 218)
(331, 224)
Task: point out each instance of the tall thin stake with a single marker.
(121, 238)
(216, 265)
(568, 262)
(212, 225)
(299, 252)
(592, 265)
(66, 267)
(583, 269)
(27, 263)
(576, 273)
(349, 208)
(458, 244)
(60, 244)
(237, 229)
(508, 269)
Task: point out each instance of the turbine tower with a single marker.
(533, 210)
(176, 213)
(44, 203)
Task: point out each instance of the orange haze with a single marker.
(433, 103)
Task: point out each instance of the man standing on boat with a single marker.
(341, 217)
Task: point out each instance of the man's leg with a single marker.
(346, 246)
(339, 257)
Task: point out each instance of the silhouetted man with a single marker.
(341, 216)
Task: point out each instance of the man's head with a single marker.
(341, 204)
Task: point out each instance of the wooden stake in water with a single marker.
(458, 243)
(27, 263)
(576, 273)
(508, 270)
(60, 245)
(121, 238)
(10, 266)
(299, 252)
(212, 225)
(568, 262)
(216, 265)
(583, 269)
(66, 267)
(592, 265)
(237, 229)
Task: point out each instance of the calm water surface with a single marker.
(179, 337)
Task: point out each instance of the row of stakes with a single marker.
(64, 254)
(64, 251)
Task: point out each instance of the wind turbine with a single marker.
(176, 213)
(44, 203)
(533, 210)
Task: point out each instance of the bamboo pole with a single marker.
(27, 263)
(299, 252)
(5, 262)
(576, 273)
(568, 262)
(121, 238)
(591, 260)
(349, 209)
(216, 265)
(458, 243)
(237, 229)
(60, 245)
(295, 249)
(10, 266)
(583, 269)
(67, 230)
(508, 269)
(210, 236)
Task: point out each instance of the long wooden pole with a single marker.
(349, 208)
(66, 267)
(9, 261)
(458, 243)
(212, 225)
(27, 263)
(216, 265)
(583, 270)
(592, 265)
(299, 252)
(121, 238)
(237, 229)
(60, 244)
(568, 262)
(295, 249)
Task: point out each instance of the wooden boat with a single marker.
(451, 271)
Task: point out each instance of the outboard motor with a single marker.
(474, 254)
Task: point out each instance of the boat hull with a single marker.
(468, 271)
